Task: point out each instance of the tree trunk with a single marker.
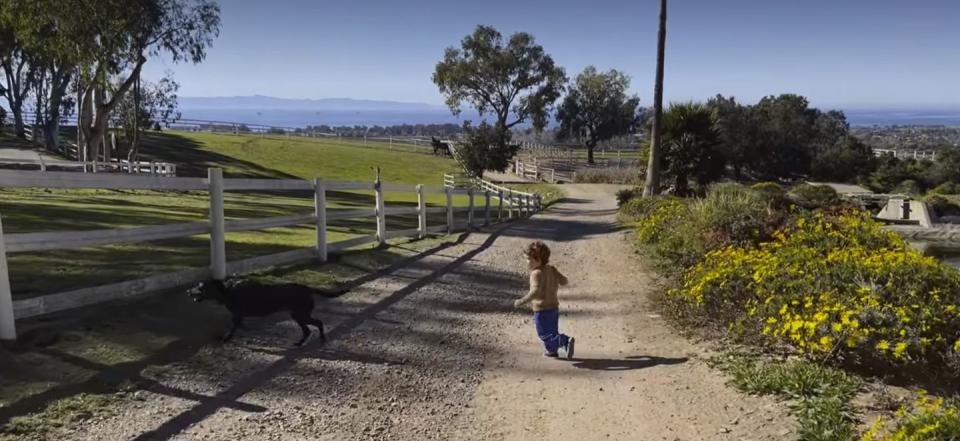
(652, 184)
(681, 186)
(590, 147)
(135, 139)
(58, 89)
(15, 94)
(98, 111)
(18, 128)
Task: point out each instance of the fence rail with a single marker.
(120, 166)
(516, 203)
(519, 204)
(532, 170)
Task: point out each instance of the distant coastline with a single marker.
(932, 117)
(387, 117)
(284, 112)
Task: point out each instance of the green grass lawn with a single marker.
(294, 157)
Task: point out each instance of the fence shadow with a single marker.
(169, 317)
(204, 409)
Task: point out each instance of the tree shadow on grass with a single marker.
(193, 160)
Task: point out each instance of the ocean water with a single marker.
(302, 118)
(903, 117)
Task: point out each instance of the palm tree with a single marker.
(652, 185)
(690, 147)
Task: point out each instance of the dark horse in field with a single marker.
(440, 148)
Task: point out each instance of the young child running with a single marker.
(545, 280)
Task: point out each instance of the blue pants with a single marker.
(548, 329)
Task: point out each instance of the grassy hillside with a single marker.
(277, 156)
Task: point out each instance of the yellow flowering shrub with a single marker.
(660, 213)
(927, 419)
(682, 231)
(834, 284)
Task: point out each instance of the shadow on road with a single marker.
(626, 364)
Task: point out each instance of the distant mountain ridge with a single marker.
(261, 102)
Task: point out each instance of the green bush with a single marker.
(626, 176)
(775, 195)
(625, 195)
(638, 208)
(768, 187)
(681, 231)
(732, 213)
(941, 206)
(948, 188)
(908, 187)
(820, 395)
(814, 197)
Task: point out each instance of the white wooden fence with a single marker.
(518, 205)
(121, 166)
(531, 170)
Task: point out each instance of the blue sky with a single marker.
(839, 53)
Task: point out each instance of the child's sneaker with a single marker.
(551, 354)
(569, 349)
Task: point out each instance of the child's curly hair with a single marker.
(538, 250)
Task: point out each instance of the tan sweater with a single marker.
(544, 283)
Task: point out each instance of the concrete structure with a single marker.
(906, 209)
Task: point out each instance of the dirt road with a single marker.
(435, 350)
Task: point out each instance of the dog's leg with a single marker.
(237, 323)
(305, 329)
(319, 325)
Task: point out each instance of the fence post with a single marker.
(449, 192)
(486, 207)
(320, 209)
(8, 328)
(553, 175)
(421, 212)
(539, 203)
(499, 205)
(381, 212)
(470, 209)
(218, 246)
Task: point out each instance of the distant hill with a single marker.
(261, 102)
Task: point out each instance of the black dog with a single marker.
(250, 299)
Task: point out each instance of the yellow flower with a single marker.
(956, 345)
(826, 341)
(883, 345)
(899, 349)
